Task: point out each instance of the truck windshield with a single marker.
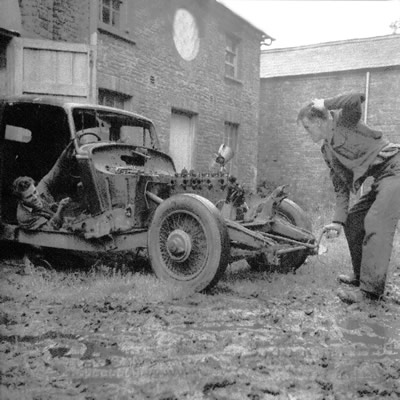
(106, 126)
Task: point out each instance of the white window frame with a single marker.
(114, 99)
(232, 52)
(112, 12)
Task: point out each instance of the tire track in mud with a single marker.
(223, 345)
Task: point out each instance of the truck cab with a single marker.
(103, 158)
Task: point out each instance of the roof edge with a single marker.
(264, 34)
(327, 71)
(332, 43)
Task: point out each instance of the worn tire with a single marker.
(188, 242)
(293, 213)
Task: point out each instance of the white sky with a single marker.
(297, 23)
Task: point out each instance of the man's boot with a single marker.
(351, 280)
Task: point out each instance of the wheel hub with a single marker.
(179, 245)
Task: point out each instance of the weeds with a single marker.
(97, 284)
(128, 279)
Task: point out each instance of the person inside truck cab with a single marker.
(33, 211)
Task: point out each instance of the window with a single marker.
(99, 125)
(113, 99)
(110, 12)
(231, 57)
(18, 134)
(231, 139)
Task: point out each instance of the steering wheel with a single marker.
(90, 133)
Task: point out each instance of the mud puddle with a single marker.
(244, 341)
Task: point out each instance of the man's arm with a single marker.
(31, 220)
(42, 219)
(341, 180)
(59, 175)
(58, 218)
(350, 104)
(342, 194)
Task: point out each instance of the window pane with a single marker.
(229, 43)
(116, 5)
(229, 70)
(113, 99)
(106, 15)
(111, 126)
(18, 134)
(110, 12)
(115, 19)
(231, 57)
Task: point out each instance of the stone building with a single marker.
(291, 78)
(192, 66)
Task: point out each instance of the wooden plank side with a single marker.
(47, 72)
(49, 68)
(55, 90)
(64, 67)
(80, 68)
(55, 68)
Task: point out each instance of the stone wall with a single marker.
(64, 20)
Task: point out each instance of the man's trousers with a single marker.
(370, 228)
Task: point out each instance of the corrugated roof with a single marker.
(375, 52)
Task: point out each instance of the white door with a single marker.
(181, 140)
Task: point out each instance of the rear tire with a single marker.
(188, 242)
(289, 211)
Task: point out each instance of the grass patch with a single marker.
(72, 288)
(125, 280)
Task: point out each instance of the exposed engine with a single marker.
(120, 177)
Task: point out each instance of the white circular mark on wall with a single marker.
(186, 34)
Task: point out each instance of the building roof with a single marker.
(374, 52)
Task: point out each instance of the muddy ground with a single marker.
(257, 335)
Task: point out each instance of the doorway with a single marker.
(181, 139)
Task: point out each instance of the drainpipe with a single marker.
(93, 18)
(366, 97)
(366, 104)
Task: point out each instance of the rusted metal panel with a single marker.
(71, 241)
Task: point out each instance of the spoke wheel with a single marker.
(188, 242)
(290, 212)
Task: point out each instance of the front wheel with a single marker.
(290, 212)
(188, 242)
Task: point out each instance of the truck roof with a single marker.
(55, 101)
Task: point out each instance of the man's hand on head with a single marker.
(319, 104)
